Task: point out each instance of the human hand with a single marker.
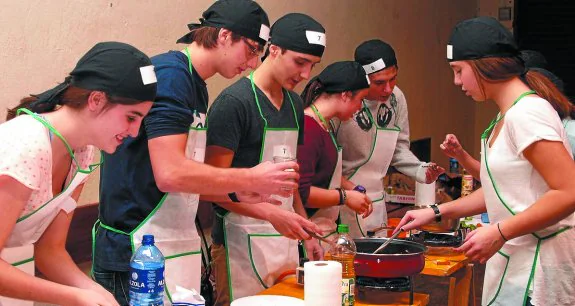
(275, 178)
(292, 225)
(415, 218)
(90, 297)
(359, 202)
(432, 172)
(249, 197)
(451, 147)
(313, 249)
(482, 243)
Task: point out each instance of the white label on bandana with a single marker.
(264, 32)
(148, 75)
(316, 38)
(375, 66)
(450, 52)
(368, 81)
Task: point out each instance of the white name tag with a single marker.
(375, 66)
(148, 75)
(264, 32)
(368, 81)
(316, 38)
(450, 52)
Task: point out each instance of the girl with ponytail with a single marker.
(527, 173)
(47, 149)
(336, 94)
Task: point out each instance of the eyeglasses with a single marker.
(253, 51)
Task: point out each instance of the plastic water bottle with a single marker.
(343, 251)
(147, 275)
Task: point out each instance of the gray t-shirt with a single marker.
(235, 123)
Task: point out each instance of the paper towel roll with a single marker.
(322, 284)
(424, 194)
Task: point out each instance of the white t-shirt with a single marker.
(520, 185)
(26, 155)
(530, 120)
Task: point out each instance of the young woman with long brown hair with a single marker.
(527, 174)
(47, 153)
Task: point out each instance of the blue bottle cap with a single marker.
(148, 240)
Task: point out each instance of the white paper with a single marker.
(264, 32)
(375, 66)
(316, 38)
(148, 75)
(450, 52)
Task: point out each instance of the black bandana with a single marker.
(299, 33)
(116, 68)
(375, 55)
(243, 17)
(343, 76)
(480, 37)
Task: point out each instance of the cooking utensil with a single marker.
(400, 258)
(331, 243)
(378, 229)
(385, 244)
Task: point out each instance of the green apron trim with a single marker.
(21, 262)
(396, 129)
(191, 69)
(251, 257)
(357, 219)
(90, 169)
(484, 136)
(532, 274)
(502, 277)
(226, 247)
(182, 254)
(264, 118)
(330, 129)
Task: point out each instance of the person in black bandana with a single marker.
(258, 119)
(378, 137)
(151, 185)
(527, 173)
(47, 154)
(336, 93)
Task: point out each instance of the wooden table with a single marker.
(458, 269)
(289, 287)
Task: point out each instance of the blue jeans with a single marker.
(117, 283)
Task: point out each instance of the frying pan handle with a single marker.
(378, 229)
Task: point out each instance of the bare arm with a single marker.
(175, 173)
(470, 205)
(347, 184)
(18, 284)
(51, 249)
(452, 148)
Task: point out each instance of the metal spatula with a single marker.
(385, 244)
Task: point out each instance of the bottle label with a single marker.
(147, 281)
(348, 292)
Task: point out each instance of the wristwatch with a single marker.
(360, 189)
(436, 211)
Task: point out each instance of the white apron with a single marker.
(172, 223)
(256, 253)
(326, 218)
(510, 273)
(370, 175)
(19, 249)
